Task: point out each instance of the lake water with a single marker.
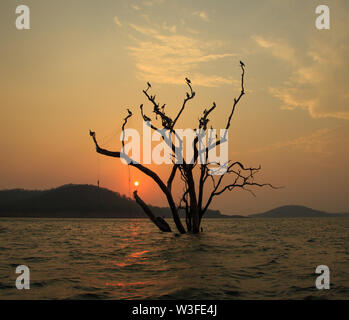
(131, 259)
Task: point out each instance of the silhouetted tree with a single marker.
(192, 200)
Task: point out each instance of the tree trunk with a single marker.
(194, 210)
(159, 222)
(188, 219)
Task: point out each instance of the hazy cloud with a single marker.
(316, 142)
(277, 48)
(165, 57)
(172, 29)
(135, 7)
(117, 21)
(202, 14)
(319, 77)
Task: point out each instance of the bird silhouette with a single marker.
(149, 85)
(242, 64)
(129, 112)
(188, 81)
(92, 133)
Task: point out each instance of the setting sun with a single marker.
(136, 183)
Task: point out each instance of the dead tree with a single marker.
(193, 201)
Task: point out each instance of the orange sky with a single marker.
(83, 63)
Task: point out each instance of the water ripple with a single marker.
(130, 259)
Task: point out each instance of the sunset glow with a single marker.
(234, 117)
(72, 72)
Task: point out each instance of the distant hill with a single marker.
(89, 201)
(76, 201)
(293, 211)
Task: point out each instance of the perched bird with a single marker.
(188, 81)
(92, 133)
(129, 112)
(242, 64)
(148, 84)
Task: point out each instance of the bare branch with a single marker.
(188, 97)
(203, 121)
(148, 172)
(166, 121)
(123, 128)
(158, 221)
(240, 181)
(171, 177)
(236, 100)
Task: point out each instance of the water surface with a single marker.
(130, 259)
